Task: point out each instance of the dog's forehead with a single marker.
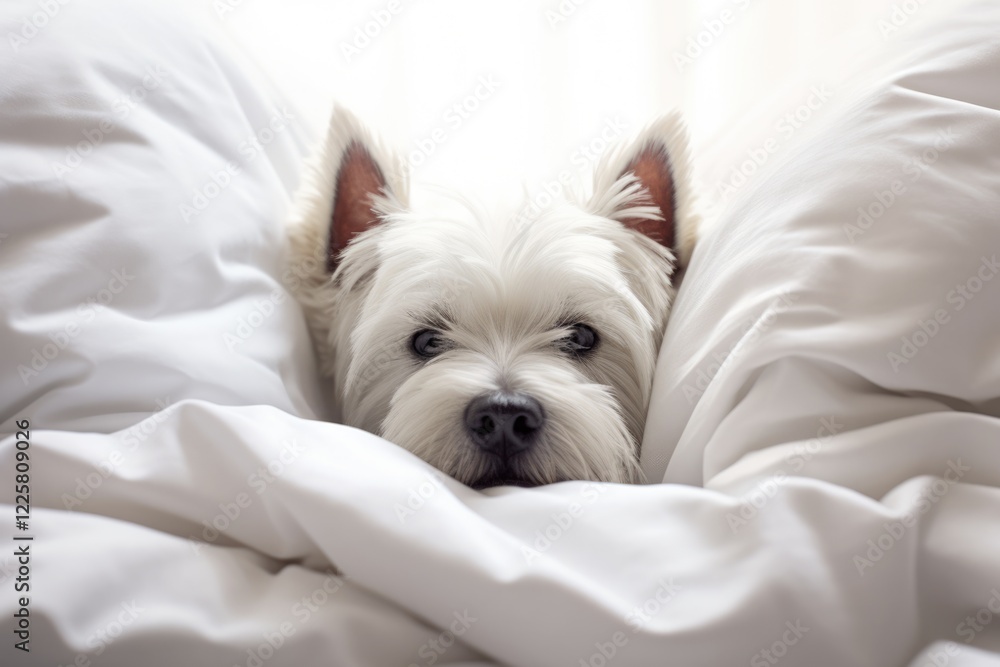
(561, 259)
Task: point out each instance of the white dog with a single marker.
(499, 350)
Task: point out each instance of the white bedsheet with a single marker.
(823, 503)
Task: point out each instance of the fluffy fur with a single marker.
(503, 291)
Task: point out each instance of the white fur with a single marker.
(669, 130)
(505, 286)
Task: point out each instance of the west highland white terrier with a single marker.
(501, 349)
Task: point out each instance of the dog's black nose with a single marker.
(504, 423)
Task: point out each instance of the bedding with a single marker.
(823, 445)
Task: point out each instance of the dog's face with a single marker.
(499, 349)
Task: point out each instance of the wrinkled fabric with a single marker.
(823, 446)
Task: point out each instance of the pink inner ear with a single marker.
(358, 180)
(651, 166)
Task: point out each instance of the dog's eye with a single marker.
(581, 340)
(428, 343)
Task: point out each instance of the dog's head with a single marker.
(501, 349)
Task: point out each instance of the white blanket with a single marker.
(825, 421)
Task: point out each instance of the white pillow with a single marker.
(145, 181)
(854, 284)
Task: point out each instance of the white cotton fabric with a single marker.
(144, 178)
(822, 503)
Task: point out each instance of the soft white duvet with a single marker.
(823, 446)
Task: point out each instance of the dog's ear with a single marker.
(361, 178)
(346, 188)
(644, 184)
(359, 181)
